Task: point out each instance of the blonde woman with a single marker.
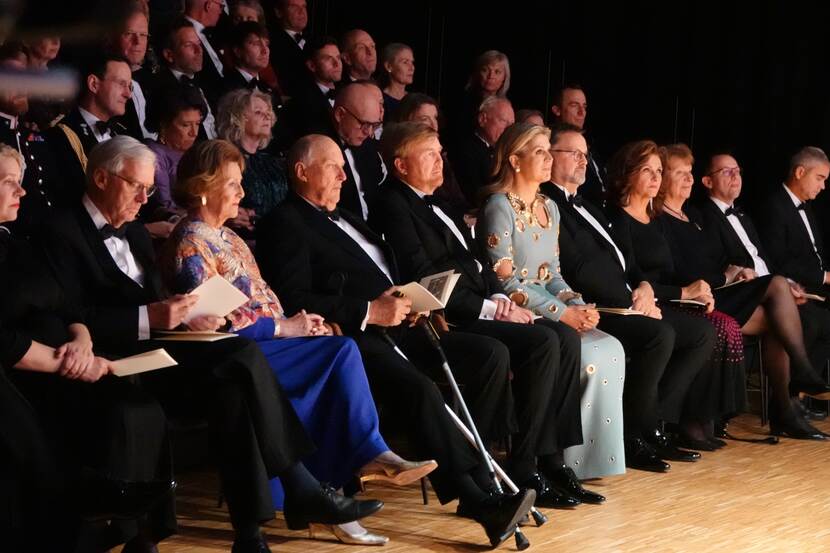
(520, 230)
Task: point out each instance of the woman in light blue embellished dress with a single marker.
(520, 231)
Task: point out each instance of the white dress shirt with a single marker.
(119, 249)
(209, 122)
(214, 57)
(797, 202)
(761, 268)
(293, 35)
(488, 308)
(90, 121)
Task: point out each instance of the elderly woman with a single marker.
(490, 77)
(75, 421)
(245, 118)
(176, 115)
(323, 376)
(398, 64)
(519, 229)
(761, 306)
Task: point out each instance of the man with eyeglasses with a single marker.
(356, 116)
(733, 230)
(106, 87)
(130, 42)
(472, 158)
(570, 107)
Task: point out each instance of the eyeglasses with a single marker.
(132, 35)
(729, 172)
(577, 155)
(365, 126)
(128, 85)
(135, 186)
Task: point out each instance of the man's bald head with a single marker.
(316, 170)
(359, 54)
(357, 112)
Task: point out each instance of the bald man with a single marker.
(360, 57)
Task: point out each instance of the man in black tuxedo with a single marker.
(325, 259)
(792, 234)
(288, 42)
(204, 15)
(130, 42)
(733, 230)
(249, 45)
(429, 237)
(472, 158)
(360, 57)
(183, 57)
(105, 91)
(357, 115)
(309, 111)
(104, 262)
(665, 355)
(570, 107)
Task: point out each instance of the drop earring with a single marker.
(204, 199)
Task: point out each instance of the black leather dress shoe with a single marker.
(547, 496)
(105, 499)
(812, 387)
(499, 514)
(256, 545)
(327, 507)
(566, 481)
(639, 455)
(796, 428)
(693, 443)
(665, 449)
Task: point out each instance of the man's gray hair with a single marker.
(303, 152)
(807, 157)
(491, 101)
(110, 155)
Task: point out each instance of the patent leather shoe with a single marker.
(499, 513)
(665, 449)
(548, 496)
(256, 545)
(565, 480)
(105, 499)
(327, 507)
(639, 455)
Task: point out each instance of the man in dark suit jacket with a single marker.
(595, 267)
(104, 262)
(570, 107)
(105, 91)
(793, 236)
(428, 237)
(310, 110)
(356, 116)
(733, 230)
(472, 158)
(249, 46)
(204, 16)
(288, 40)
(326, 260)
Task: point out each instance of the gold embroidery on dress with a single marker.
(493, 240)
(527, 214)
(544, 271)
(498, 264)
(519, 297)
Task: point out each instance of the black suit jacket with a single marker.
(233, 80)
(209, 77)
(788, 243)
(594, 189)
(424, 245)
(130, 121)
(65, 158)
(109, 299)
(312, 264)
(288, 60)
(719, 229)
(589, 263)
(472, 161)
(308, 112)
(369, 167)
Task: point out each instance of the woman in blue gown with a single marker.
(322, 375)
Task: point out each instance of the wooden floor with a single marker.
(744, 498)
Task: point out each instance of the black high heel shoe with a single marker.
(797, 428)
(328, 507)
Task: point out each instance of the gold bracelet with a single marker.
(276, 329)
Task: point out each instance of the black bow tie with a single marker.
(298, 37)
(186, 80)
(431, 201)
(575, 200)
(330, 93)
(334, 214)
(732, 210)
(103, 127)
(108, 231)
(254, 83)
(802, 206)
